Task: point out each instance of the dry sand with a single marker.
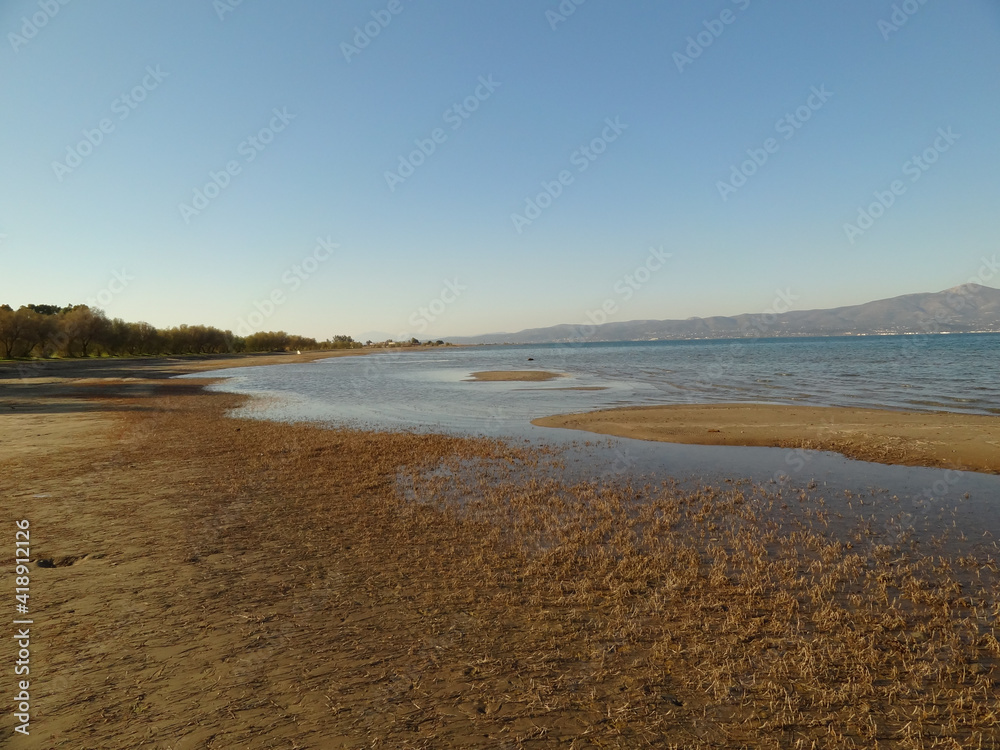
(219, 583)
(939, 439)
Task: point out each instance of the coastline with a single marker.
(224, 582)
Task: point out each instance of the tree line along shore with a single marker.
(84, 331)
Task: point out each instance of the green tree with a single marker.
(85, 328)
(22, 331)
(39, 330)
(10, 331)
(147, 339)
(267, 341)
(46, 309)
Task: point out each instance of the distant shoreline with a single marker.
(724, 339)
(968, 308)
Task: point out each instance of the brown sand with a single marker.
(568, 388)
(49, 405)
(218, 583)
(516, 375)
(957, 441)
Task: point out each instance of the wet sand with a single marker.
(49, 405)
(938, 439)
(216, 583)
(569, 388)
(513, 375)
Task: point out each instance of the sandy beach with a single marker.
(470, 376)
(212, 582)
(939, 439)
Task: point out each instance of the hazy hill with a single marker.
(966, 308)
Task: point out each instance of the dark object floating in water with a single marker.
(531, 359)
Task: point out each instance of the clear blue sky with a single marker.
(221, 72)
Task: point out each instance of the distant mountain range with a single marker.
(963, 309)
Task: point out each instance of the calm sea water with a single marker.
(426, 391)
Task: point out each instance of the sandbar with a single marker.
(514, 375)
(569, 388)
(937, 439)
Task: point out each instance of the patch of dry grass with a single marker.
(625, 616)
(725, 616)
